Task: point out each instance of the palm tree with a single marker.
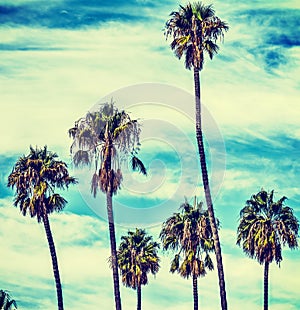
(6, 303)
(35, 177)
(189, 233)
(266, 226)
(137, 256)
(195, 30)
(106, 138)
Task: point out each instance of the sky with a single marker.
(59, 59)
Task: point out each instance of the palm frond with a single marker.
(175, 264)
(137, 164)
(211, 48)
(72, 131)
(81, 158)
(55, 202)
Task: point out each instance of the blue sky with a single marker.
(60, 58)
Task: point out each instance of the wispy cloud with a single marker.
(277, 36)
(68, 14)
(82, 248)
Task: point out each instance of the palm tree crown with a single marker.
(106, 138)
(35, 177)
(195, 29)
(189, 233)
(137, 256)
(266, 226)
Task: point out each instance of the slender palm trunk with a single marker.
(54, 262)
(266, 285)
(139, 297)
(208, 199)
(112, 234)
(113, 247)
(195, 292)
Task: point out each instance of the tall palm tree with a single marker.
(195, 29)
(106, 138)
(266, 226)
(6, 302)
(189, 233)
(137, 256)
(36, 177)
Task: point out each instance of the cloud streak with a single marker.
(73, 14)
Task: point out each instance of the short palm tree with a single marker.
(6, 302)
(195, 29)
(105, 139)
(35, 178)
(266, 226)
(189, 233)
(137, 256)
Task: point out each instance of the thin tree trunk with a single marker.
(266, 285)
(54, 262)
(208, 199)
(110, 217)
(113, 247)
(195, 292)
(139, 297)
(111, 227)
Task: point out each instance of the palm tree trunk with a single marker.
(139, 297)
(111, 227)
(113, 247)
(195, 292)
(266, 284)
(54, 261)
(208, 199)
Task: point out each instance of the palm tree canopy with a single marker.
(35, 177)
(6, 303)
(137, 256)
(189, 233)
(195, 29)
(106, 138)
(266, 226)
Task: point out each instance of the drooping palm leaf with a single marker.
(138, 165)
